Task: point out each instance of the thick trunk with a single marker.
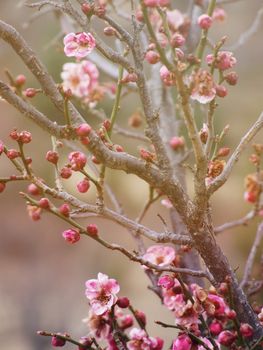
(219, 267)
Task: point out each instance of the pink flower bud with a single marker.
(215, 328)
(64, 209)
(223, 152)
(52, 157)
(30, 92)
(231, 78)
(25, 136)
(2, 187)
(92, 229)
(33, 190)
(221, 91)
(86, 8)
(139, 16)
(118, 148)
(14, 135)
(57, 342)
(226, 338)
(177, 40)
(34, 212)
(83, 186)
(86, 341)
(250, 197)
(126, 322)
(123, 302)
(65, 173)
(77, 160)
(44, 203)
(12, 153)
(246, 330)
(183, 342)
(109, 31)
(219, 14)
(146, 155)
(20, 80)
(71, 236)
(130, 78)
(83, 129)
(167, 77)
(166, 282)
(205, 21)
(152, 57)
(177, 142)
(140, 316)
(231, 314)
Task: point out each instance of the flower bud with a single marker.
(221, 91)
(226, 338)
(71, 236)
(177, 142)
(44, 203)
(223, 152)
(20, 80)
(92, 229)
(246, 330)
(12, 154)
(65, 172)
(83, 186)
(231, 78)
(52, 157)
(215, 328)
(152, 57)
(109, 31)
(83, 129)
(33, 190)
(25, 136)
(30, 92)
(123, 302)
(64, 209)
(86, 8)
(177, 40)
(57, 342)
(204, 21)
(135, 120)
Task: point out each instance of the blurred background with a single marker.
(42, 277)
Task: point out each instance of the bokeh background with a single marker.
(41, 277)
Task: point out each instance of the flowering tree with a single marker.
(160, 55)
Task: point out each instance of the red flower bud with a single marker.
(92, 229)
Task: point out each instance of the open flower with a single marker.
(140, 341)
(102, 293)
(81, 78)
(160, 255)
(78, 45)
(204, 90)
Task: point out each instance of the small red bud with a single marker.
(30, 92)
(140, 316)
(231, 78)
(221, 91)
(92, 229)
(25, 136)
(177, 142)
(83, 186)
(14, 135)
(123, 302)
(83, 129)
(65, 173)
(107, 124)
(33, 189)
(56, 341)
(86, 8)
(95, 160)
(52, 157)
(64, 209)
(44, 203)
(223, 152)
(12, 153)
(119, 148)
(20, 80)
(246, 330)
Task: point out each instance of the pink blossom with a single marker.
(102, 293)
(77, 160)
(205, 21)
(223, 61)
(124, 320)
(160, 255)
(78, 45)
(84, 185)
(166, 282)
(2, 147)
(204, 90)
(155, 3)
(167, 77)
(219, 304)
(140, 341)
(72, 236)
(207, 343)
(183, 342)
(98, 325)
(226, 338)
(81, 78)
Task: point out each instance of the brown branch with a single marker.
(222, 178)
(252, 256)
(232, 224)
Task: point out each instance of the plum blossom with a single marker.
(98, 325)
(81, 78)
(204, 90)
(167, 77)
(78, 45)
(183, 342)
(140, 341)
(159, 255)
(102, 293)
(223, 61)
